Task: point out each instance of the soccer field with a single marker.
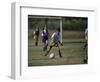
(73, 51)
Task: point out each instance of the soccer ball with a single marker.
(52, 55)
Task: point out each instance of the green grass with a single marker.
(72, 51)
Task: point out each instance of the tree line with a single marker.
(68, 23)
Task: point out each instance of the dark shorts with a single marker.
(44, 39)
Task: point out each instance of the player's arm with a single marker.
(60, 41)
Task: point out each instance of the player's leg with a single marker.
(43, 46)
(59, 51)
(32, 39)
(37, 39)
(36, 43)
(86, 39)
(48, 51)
(85, 45)
(46, 45)
(86, 56)
(52, 44)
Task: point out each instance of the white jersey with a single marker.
(44, 33)
(55, 37)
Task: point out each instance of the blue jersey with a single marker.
(55, 37)
(44, 35)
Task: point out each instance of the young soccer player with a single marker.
(86, 38)
(55, 41)
(36, 36)
(45, 35)
(86, 45)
